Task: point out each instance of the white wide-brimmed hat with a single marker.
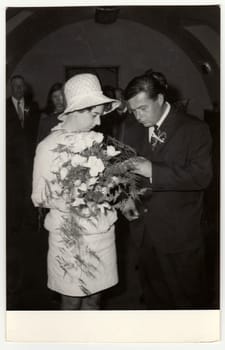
(84, 91)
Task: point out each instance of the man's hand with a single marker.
(129, 210)
(142, 166)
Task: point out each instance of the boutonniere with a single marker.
(26, 109)
(158, 137)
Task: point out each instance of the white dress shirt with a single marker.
(15, 102)
(19, 109)
(160, 121)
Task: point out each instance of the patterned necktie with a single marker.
(20, 113)
(155, 133)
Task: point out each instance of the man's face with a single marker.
(17, 88)
(146, 110)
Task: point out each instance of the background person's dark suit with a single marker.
(20, 214)
(169, 235)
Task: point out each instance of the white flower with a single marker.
(92, 181)
(95, 164)
(68, 139)
(78, 142)
(75, 192)
(85, 140)
(103, 206)
(55, 187)
(104, 190)
(63, 173)
(77, 202)
(91, 206)
(90, 137)
(64, 157)
(78, 160)
(78, 146)
(77, 182)
(111, 151)
(56, 165)
(115, 180)
(88, 142)
(85, 212)
(97, 136)
(83, 187)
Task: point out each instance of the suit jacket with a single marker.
(20, 142)
(181, 171)
(20, 148)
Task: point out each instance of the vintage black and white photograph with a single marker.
(113, 158)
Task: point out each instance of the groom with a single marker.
(176, 165)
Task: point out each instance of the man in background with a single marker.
(22, 119)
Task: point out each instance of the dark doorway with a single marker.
(107, 75)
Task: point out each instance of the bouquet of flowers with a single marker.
(92, 174)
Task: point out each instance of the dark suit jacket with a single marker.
(181, 171)
(20, 148)
(20, 141)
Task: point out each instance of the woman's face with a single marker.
(86, 119)
(58, 101)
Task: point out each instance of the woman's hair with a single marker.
(49, 105)
(153, 83)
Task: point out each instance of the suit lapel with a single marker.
(12, 112)
(12, 107)
(144, 147)
(166, 130)
(14, 115)
(26, 112)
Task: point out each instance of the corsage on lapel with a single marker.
(26, 109)
(26, 113)
(158, 137)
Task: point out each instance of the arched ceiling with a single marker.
(26, 26)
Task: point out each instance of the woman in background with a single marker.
(55, 106)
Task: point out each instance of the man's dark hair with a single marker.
(153, 83)
(17, 76)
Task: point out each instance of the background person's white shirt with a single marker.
(15, 102)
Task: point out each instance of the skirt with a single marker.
(81, 257)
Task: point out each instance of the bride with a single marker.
(82, 270)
